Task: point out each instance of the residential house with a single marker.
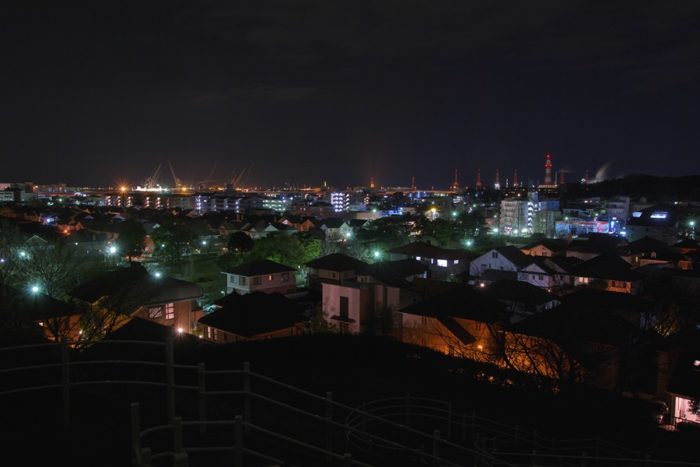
(608, 272)
(333, 268)
(134, 292)
(442, 262)
(370, 302)
(546, 247)
(260, 275)
(659, 222)
(58, 320)
(252, 316)
(506, 258)
(521, 299)
(549, 273)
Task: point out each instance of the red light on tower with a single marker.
(516, 182)
(478, 179)
(548, 169)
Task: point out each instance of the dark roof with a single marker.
(596, 243)
(567, 324)
(687, 243)
(458, 331)
(255, 313)
(394, 272)
(146, 330)
(602, 300)
(518, 291)
(135, 286)
(608, 267)
(337, 262)
(463, 302)
(514, 255)
(36, 306)
(648, 246)
(258, 267)
(332, 223)
(427, 250)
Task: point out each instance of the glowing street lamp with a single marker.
(112, 250)
(204, 243)
(158, 274)
(23, 254)
(377, 254)
(35, 289)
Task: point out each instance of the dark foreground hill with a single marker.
(355, 369)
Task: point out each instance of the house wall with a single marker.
(219, 336)
(682, 412)
(331, 276)
(184, 316)
(490, 260)
(609, 285)
(281, 282)
(359, 306)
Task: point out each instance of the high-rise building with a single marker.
(340, 201)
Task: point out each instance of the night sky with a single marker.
(307, 91)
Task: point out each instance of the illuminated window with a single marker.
(442, 263)
(155, 312)
(269, 278)
(170, 311)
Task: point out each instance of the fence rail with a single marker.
(417, 430)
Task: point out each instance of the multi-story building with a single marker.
(340, 201)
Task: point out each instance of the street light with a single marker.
(112, 250)
(158, 274)
(377, 253)
(22, 254)
(35, 289)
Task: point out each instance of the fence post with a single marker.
(65, 381)
(436, 447)
(135, 432)
(407, 407)
(534, 439)
(238, 441)
(146, 456)
(169, 380)
(473, 430)
(464, 427)
(202, 398)
(246, 394)
(179, 456)
(329, 418)
(449, 420)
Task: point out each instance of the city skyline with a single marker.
(314, 92)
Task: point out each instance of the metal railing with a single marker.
(268, 422)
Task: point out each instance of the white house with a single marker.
(545, 273)
(260, 275)
(506, 258)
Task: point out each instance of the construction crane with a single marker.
(177, 181)
(152, 181)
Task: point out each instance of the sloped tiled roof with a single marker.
(337, 262)
(258, 267)
(255, 313)
(463, 302)
(608, 267)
